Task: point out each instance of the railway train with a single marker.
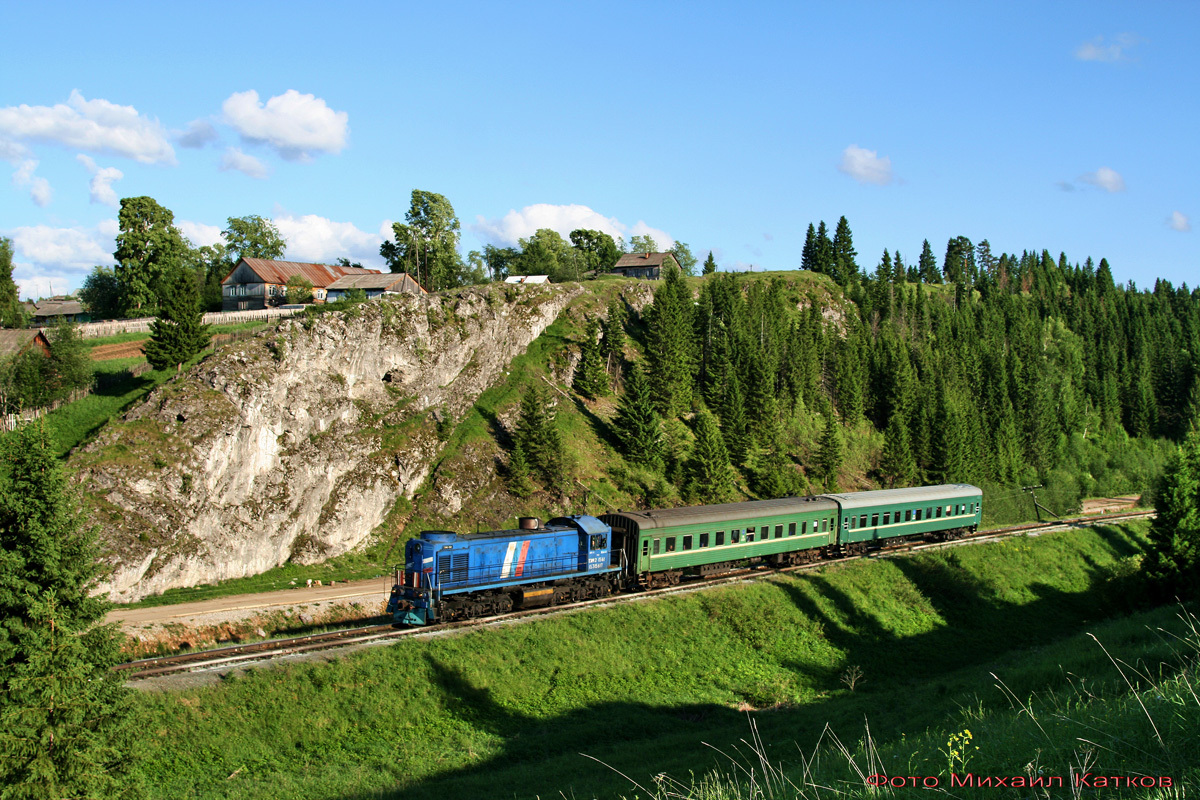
(449, 576)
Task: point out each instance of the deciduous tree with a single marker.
(427, 247)
(252, 237)
(149, 247)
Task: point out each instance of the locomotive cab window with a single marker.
(598, 542)
(687, 543)
(704, 540)
(670, 544)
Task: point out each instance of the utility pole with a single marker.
(1038, 508)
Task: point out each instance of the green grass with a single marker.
(507, 712)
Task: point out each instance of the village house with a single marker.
(13, 342)
(644, 265)
(375, 285)
(47, 312)
(257, 283)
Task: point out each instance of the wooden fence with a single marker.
(94, 330)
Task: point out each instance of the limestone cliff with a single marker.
(296, 444)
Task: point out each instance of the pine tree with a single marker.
(832, 453)
(591, 380)
(637, 424)
(1173, 562)
(710, 264)
(66, 725)
(708, 475)
(178, 332)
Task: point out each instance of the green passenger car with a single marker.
(662, 545)
(931, 511)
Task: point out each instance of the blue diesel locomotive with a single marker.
(449, 576)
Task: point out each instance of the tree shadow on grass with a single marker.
(973, 625)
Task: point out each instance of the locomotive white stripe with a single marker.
(506, 570)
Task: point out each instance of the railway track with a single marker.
(234, 656)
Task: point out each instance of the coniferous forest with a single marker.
(1004, 371)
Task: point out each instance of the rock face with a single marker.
(296, 444)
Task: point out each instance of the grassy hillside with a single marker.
(506, 712)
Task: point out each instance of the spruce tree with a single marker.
(927, 267)
(538, 437)
(518, 473)
(66, 725)
(710, 264)
(591, 380)
(773, 474)
(612, 346)
(637, 424)
(808, 256)
(845, 267)
(669, 345)
(1173, 562)
(708, 476)
(832, 453)
(898, 466)
(178, 332)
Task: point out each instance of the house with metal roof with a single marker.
(644, 265)
(375, 285)
(258, 283)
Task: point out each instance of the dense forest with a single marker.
(998, 370)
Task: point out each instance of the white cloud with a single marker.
(198, 233)
(560, 218)
(1117, 50)
(39, 188)
(865, 166)
(1105, 178)
(1179, 222)
(296, 125)
(97, 126)
(13, 151)
(246, 164)
(322, 241)
(56, 260)
(100, 189)
(199, 133)
(661, 238)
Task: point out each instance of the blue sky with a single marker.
(1071, 127)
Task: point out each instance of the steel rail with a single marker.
(241, 654)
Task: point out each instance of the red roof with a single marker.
(319, 275)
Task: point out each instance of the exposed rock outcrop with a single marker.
(296, 444)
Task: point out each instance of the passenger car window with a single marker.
(704, 540)
(791, 529)
(656, 544)
(687, 543)
(779, 530)
(670, 544)
(720, 538)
